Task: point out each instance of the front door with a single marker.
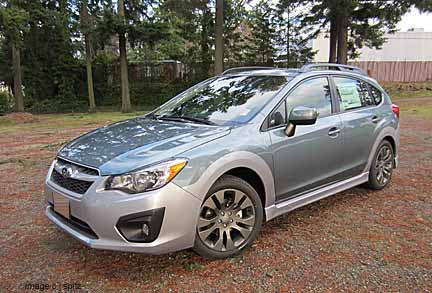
(312, 156)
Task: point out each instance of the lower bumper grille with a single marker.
(78, 225)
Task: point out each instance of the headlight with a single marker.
(146, 179)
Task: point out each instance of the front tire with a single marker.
(230, 218)
(381, 170)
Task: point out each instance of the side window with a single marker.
(376, 94)
(353, 93)
(278, 117)
(313, 93)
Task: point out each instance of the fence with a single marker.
(399, 71)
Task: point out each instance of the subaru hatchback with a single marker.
(207, 168)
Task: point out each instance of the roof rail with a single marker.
(333, 66)
(243, 69)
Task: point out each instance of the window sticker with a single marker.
(349, 96)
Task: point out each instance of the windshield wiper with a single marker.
(152, 116)
(187, 119)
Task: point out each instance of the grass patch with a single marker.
(12, 161)
(66, 121)
(193, 266)
(5, 122)
(401, 90)
(54, 146)
(421, 110)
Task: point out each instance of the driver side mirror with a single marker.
(300, 116)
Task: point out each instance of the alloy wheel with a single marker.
(384, 165)
(227, 218)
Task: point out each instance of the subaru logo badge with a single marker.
(67, 172)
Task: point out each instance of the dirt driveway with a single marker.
(357, 240)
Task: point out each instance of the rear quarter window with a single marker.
(377, 95)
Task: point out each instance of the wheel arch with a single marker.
(245, 165)
(392, 141)
(251, 177)
(390, 134)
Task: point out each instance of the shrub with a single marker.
(57, 106)
(4, 102)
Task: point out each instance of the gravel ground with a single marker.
(357, 240)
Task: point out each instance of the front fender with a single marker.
(238, 159)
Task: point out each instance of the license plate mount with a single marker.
(61, 205)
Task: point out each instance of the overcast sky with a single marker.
(414, 19)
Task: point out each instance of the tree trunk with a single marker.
(333, 40)
(288, 35)
(88, 49)
(17, 79)
(219, 42)
(205, 55)
(126, 103)
(342, 43)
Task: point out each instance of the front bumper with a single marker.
(101, 211)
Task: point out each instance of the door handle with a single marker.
(375, 119)
(333, 132)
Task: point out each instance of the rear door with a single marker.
(360, 120)
(312, 157)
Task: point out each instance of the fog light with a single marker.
(141, 227)
(145, 229)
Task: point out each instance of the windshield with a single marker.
(224, 100)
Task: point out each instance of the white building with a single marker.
(413, 45)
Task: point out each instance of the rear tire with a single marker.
(381, 169)
(230, 218)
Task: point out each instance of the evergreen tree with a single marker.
(13, 25)
(263, 34)
(354, 23)
(126, 103)
(236, 32)
(86, 30)
(292, 36)
(196, 27)
(219, 42)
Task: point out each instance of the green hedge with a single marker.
(70, 93)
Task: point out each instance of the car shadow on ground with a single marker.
(135, 266)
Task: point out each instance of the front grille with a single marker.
(75, 185)
(81, 169)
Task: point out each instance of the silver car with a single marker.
(207, 168)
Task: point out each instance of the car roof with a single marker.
(318, 68)
(265, 71)
(310, 70)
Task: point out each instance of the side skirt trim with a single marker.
(281, 208)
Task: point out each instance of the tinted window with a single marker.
(352, 93)
(313, 93)
(376, 94)
(225, 99)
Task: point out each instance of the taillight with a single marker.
(396, 110)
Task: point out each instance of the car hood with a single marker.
(127, 145)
